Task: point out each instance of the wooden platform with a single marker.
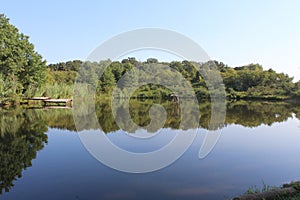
(57, 100)
(56, 107)
(49, 101)
(39, 98)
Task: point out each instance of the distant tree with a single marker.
(152, 60)
(191, 74)
(117, 69)
(66, 66)
(18, 60)
(296, 89)
(73, 65)
(87, 74)
(107, 80)
(130, 60)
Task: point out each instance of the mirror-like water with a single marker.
(42, 157)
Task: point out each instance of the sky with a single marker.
(232, 31)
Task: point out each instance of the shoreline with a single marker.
(284, 192)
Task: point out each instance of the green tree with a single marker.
(107, 80)
(152, 60)
(117, 69)
(18, 58)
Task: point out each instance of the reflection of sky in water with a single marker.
(154, 142)
(243, 157)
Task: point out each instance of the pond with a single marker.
(42, 156)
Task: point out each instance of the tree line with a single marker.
(249, 81)
(24, 73)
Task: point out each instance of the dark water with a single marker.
(42, 156)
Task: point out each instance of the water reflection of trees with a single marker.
(22, 135)
(256, 113)
(59, 118)
(22, 131)
(245, 113)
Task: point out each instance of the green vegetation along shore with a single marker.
(288, 191)
(24, 74)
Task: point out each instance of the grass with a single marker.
(295, 185)
(294, 197)
(55, 91)
(267, 188)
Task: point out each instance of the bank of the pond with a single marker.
(39, 101)
(20, 101)
(290, 191)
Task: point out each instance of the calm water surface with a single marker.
(42, 156)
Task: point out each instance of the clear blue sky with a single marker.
(235, 32)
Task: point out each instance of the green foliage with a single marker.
(276, 196)
(107, 81)
(65, 77)
(252, 81)
(66, 66)
(57, 91)
(296, 90)
(264, 188)
(21, 67)
(9, 86)
(24, 73)
(249, 81)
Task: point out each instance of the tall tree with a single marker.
(18, 59)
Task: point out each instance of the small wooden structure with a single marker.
(56, 107)
(175, 105)
(39, 98)
(56, 101)
(49, 101)
(175, 98)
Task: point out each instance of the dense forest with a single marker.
(24, 73)
(250, 81)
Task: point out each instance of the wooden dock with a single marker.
(38, 98)
(49, 101)
(57, 107)
(56, 101)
